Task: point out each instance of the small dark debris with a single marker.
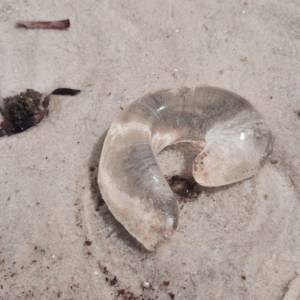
(103, 269)
(271, 97)
(35, 247)
(274, 162)
(89, 253)
(58, 294)
(298, 113)
(121, 292)
(113, 281)
(243, 277)
(172, 296)
(129, 296)
(88, 243)
(34, 261)
(74, 286)
(121, 108)
(186, 188)
(62, 24)
(166, 283)
(266, 196)
(92, 169)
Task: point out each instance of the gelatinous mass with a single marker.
(235, 137)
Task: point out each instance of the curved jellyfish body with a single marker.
(236, 142)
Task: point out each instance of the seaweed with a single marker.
(24, 110)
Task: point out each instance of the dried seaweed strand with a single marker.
(62, 24)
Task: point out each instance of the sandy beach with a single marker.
(236, 242)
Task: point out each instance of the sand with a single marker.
(236, 242)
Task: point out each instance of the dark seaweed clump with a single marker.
(25, 110)
(22, 106)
